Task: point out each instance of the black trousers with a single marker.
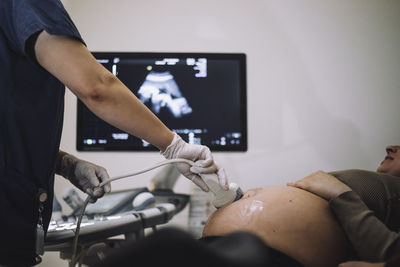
(174, 247)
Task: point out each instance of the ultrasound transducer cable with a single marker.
(222, 197)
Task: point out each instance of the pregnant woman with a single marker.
(350, 214)
(324, 219)
(290, 220)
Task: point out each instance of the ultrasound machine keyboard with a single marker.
(96, 228)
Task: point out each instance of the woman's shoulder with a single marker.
(354, 174)
(363, 178)
(363, 173)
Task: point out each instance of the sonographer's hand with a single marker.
(201, 156)
(85, 175)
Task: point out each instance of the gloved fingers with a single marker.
(205, 159)
(92, 198)
(98, 192)
(184, 169)
(199, 182)
(93, 183)
(222, 177)
(198, 170)
(223, 180)
(206, 164)
(103, 176)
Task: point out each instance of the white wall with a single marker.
(323, 78)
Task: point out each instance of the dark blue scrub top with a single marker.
(31, 117)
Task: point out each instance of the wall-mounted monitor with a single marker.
(200, 96)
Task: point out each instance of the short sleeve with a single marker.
(23, 18)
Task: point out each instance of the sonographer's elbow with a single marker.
(98, 90)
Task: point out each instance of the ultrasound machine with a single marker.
(113, 220)
(200, 96)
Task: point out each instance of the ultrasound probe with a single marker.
(222, 197)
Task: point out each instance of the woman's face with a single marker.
(391, 163)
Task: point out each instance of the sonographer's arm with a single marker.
(106, 96)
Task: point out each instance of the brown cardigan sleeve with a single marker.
(371, 239)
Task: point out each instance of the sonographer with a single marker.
(41, 52)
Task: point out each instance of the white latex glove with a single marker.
(204, 162)
(85, 175)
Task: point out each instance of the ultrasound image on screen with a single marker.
(160, 91)
(202, 97)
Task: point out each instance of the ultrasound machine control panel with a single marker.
(114, 215)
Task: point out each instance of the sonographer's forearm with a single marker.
(118, 106)
(103, 93)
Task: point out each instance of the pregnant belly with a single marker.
(291, 220)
